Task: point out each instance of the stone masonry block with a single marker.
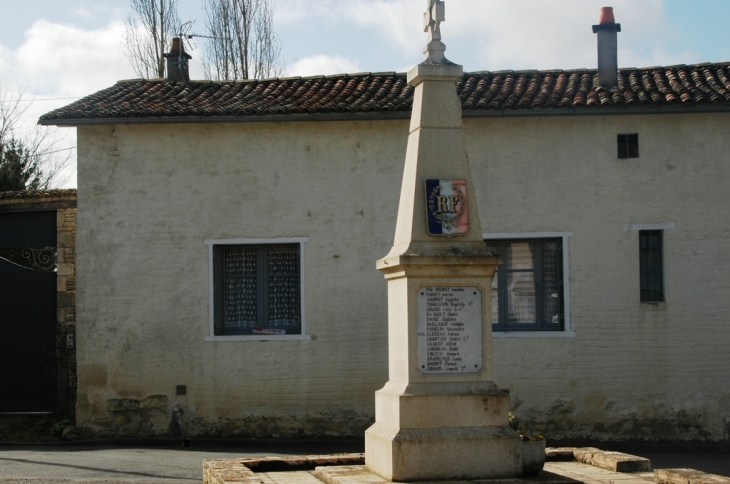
(61, 283)
(555, 454)
(620, 462)
(65, 269)
(66, 239)
(585, 454)
(687, 476)
(65, 300)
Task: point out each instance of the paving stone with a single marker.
(620, 462)
(687, 476)
(554, 454)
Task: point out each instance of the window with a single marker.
(257, 289)
(628, 145)
(527, 289)
(651, 265)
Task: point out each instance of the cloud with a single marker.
(82, 12)
(65, 60)
(323, 64)
(62, 61)
(498, 34)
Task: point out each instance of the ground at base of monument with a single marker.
(573, 466)
(554, 473)
(361, 475)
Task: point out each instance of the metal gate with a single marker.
(27, 312)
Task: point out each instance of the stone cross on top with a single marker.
(432, 19)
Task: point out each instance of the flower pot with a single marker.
(533, 457)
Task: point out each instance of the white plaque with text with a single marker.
(449, 329)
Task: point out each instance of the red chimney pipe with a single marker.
(606, 16)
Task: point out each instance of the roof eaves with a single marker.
(271, 118)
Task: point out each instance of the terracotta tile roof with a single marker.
(481, 93)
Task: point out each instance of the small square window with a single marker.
(257, 289)
(651, 264)
(628, 145)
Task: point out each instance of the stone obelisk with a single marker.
(440, 416)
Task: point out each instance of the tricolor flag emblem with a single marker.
(446, 207)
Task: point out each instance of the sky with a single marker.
(56, 51)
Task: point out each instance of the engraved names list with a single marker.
(449, 329)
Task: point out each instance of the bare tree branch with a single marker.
(244, 44)
(149, 31)
(31, 161)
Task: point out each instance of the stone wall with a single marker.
(66, 307)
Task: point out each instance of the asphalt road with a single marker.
(124, 464)
(140, 464)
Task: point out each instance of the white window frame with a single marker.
(211, 302)
(569, 331)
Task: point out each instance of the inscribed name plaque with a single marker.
(449, 329)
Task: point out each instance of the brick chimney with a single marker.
(177, 62)
(607, 30)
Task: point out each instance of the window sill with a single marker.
(534, 334)
(653, 304)
(262, 337)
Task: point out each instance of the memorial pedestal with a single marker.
(440, 416)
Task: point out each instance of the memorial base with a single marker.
(409, 441)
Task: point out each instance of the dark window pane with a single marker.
(633, 145)
(283, 260)
(623, 146)
(283, 287)
(650, 265)
(240, 261)
(550, 256)
(283, 302)
(521, 298)
(551, 297)
(520, 255)
(495, 298)
(240, 303)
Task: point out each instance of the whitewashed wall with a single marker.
(150, 195)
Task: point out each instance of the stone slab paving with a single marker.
(589, 474)
(687, 476)
(361, 475)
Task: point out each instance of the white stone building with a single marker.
(227, 235)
